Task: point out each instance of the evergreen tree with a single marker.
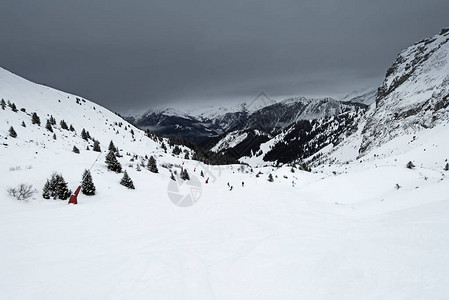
(184, 174)
(112, 162)
(186, 156)
(126, 181)
(35, 119)
(71, 128)
(14, 108)
(76, 150)
(62, 190)
(46, 190)
(54, 136)
(64, 125)
(97, 146)
(23, 124)
(112, 146)
(446, 168)
(84, 134)
(201, 173)
(12, 132)
(138, 168)
(52, 120)
(176, 150)
(87, 185)
(56, 188)
(3, 104)
(410, 165)
(48, 126)
(270, 178)
(132, 131)
(152, 166)
(164, 147)
(172, 177)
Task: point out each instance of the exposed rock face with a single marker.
(414, 94)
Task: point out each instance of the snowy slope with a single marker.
(351, 235)
(414, 94)
(364, 96)
(356, 228)
(45, 101)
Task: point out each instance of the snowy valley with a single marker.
(322, 207)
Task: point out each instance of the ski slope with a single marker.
(342, 232)
(345, 236)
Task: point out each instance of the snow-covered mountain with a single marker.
(364, 96)
(350, 229)
(414, 95)
(74, 133)
(262, 114)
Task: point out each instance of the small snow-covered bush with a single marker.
(22, 191)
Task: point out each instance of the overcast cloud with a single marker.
(132, 55)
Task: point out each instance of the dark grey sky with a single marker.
(131, 55)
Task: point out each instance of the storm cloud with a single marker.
(132, 55)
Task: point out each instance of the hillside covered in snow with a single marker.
(367, 221)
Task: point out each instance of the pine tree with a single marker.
(46, 190)
(54, 136)
(176, 150)
(14, 108)
(64, 125)
(71, 128)
(270, 178)
(84, 134)
(61, 188)
(152, 166)
(97, 146)
(52, 186)
(201, 173)
(112, 162)
(87, 185)
(76, 150)
(12, 132)
(35, 119)
(3, 104)
(56, 188)
(446, 168)
(112, 146)
(410, 165)
(164, 147)
(126, 181)
(186, 156)
(184, 174)
(172, 177)
(52, 120)
(23, 124)
(48, 126)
